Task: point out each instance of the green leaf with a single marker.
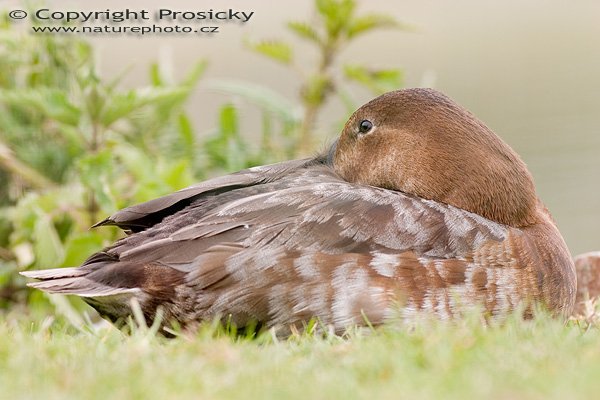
(52, 103)
(94, 96)
(157, 80)
(79, 246)
(305, 31)
(119, 106)
(93, 166)
(161, 96)
(195, 74)
(226, 149)
(48, 249)
(315, 90)
(58, 107)
(378, 81)
(176, 174)
(136, 161)
(145, 169)
(186, 133)
(336, 15)
(236, 156)
(122, 105)
(214, 147)
(95, 171)
(369, 22)
(155, 76)
(263, 97)
(228, 121)
(276, 50)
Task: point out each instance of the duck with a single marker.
(418, 208)
(587, 267)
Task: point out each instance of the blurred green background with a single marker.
(90, 124)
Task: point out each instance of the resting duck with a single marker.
(417, 207)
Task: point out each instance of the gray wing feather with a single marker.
(332, 216)
(142, 216)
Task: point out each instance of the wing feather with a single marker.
(144, 215)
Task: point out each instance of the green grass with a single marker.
(539, 359)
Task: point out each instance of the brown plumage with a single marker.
(417, 207)
(587, 266)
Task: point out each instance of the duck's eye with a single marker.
(365, 126)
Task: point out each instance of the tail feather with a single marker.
(56, 273)
(73, 281)
(109, 286)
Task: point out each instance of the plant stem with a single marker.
(311, 107)
(92, 206)
(311, 112)
(10, 163)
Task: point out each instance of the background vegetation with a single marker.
(75, 147)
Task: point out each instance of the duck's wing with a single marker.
(145, 215)
(306, 244)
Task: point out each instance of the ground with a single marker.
(541, 359)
